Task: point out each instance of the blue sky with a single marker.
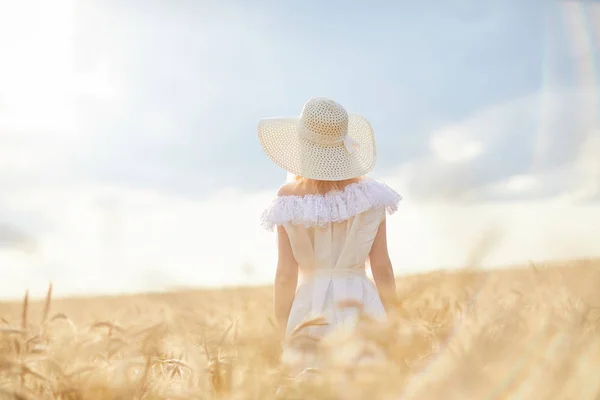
(210, 71)
(128, 130)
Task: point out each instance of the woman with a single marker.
(330, 220)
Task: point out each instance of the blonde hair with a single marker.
(322, 187)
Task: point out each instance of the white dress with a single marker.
(331, 236)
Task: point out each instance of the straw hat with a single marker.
(324, 142)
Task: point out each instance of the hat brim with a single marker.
(281, 142)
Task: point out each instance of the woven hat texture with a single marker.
(324, 142)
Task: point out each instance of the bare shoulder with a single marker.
(294, 189)
(289, 189)
(298, 189)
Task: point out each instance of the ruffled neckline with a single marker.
(334, 206)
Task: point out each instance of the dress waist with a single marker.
(354, 271)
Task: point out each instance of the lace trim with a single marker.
(335, 206)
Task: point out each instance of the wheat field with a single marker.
(522, 333)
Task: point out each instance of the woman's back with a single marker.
(325, 237)
(331, 236)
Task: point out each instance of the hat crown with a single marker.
(325, 118)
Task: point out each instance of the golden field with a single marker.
(523, 333)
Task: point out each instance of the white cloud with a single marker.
(521, 183)
(111, 239)
(540, 145)
(451, 146)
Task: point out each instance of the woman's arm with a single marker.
(286, 279)
(381, 267)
